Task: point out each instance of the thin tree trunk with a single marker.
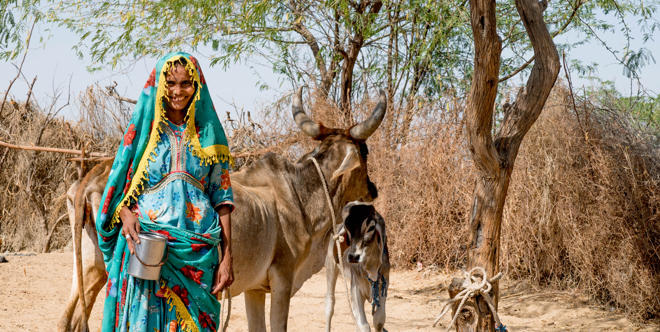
(350, 58)
(347, 82)
(494, 159)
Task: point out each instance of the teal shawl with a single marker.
(128, 176)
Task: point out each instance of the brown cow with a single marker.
(281, 225)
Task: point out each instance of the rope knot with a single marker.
(472, 286)
(338, 237)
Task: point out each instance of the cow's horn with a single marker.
(366, 128)
(307, 125)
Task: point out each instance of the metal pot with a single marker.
(149, 256)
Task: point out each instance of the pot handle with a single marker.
(167, 255)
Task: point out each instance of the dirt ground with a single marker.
(34, 290)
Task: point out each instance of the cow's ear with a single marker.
(351, 161)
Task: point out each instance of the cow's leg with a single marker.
(358, 306)
(331, 273)
(379, 315)
(64, 324)
(93, 272)
(255, 307)
(280, 298)
(93, 265)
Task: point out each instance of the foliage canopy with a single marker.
(413, 49)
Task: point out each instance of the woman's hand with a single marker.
(224, 275)
(131, 228)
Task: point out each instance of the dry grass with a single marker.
(582, 209)
(32, 183)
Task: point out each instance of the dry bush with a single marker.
(33, 184)
(424, 187)
(583, 206)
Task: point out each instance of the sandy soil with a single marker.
(34, 290)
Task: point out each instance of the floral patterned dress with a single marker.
(184, 194)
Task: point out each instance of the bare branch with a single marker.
(20, 69)
(113, 93)
(515, 72)
(577, 6)
(529, 102)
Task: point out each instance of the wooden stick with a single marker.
(82, 161)
(89, 158)
(113, 93)
(40, 148)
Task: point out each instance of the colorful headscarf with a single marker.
(129, 170)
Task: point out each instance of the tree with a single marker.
(494, 157)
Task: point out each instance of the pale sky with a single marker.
(56, 64)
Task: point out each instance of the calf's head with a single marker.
(363, 230)
(343, 152)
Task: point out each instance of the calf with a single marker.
(366, 264)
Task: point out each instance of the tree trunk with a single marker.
(350, 57)
(494, 159)
(347, 82)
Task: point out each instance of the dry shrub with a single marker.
(424, 187)
(583, 206)
(33, 184)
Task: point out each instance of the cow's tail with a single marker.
(80, 204)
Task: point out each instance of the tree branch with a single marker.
(113, 93)
(515, 72)
(529, 102)
(577, 6)
(312, 42)
(20, 68)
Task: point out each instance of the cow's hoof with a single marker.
(3, 259)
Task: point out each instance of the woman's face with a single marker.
(180, 88)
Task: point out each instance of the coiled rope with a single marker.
(472, 286)
(336, 238)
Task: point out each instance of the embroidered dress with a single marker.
(177, 187)
(182, 174)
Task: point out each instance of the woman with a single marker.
(170, 176)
